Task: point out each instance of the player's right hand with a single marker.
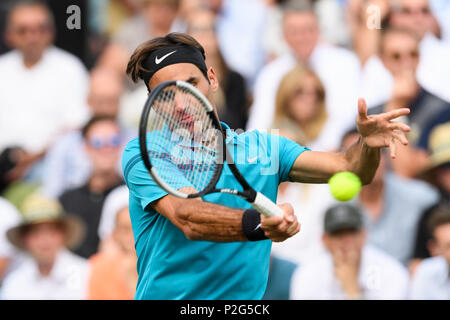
(279, 229)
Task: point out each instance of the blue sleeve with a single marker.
(139, 181)
(288, 153)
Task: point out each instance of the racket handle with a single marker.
(266, 206)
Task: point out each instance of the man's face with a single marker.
(43, 241)
(103, 145)
(301, 32)
(443, 178)
(160, 14)
(442, 241)
(185, 113)
(400, 53)
(30, 31)
(104, 93)
(414, 15)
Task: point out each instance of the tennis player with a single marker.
(218, 247)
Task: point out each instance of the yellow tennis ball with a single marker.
(344, 185)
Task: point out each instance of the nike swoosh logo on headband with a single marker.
(159, 60)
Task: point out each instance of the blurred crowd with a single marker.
(296, 67)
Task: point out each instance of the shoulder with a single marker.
(279, 65)
(130, 152)
(419, 190)
(344, 55)
(17, 278)
(65, 60)
(431, 266)
(7, 58)
(388, 264)
(9, 213)
(70, 258)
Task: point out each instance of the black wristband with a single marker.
(251, 225)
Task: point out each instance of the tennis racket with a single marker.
(183, 146)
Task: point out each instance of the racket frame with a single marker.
(256, 199)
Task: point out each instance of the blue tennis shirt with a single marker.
(172, 267)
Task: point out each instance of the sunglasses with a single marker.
(98, 142)
(397, 56)
(41, 29)
(302, 92)
(409, 11)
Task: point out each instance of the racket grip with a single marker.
(266, 206)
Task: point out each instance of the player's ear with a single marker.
(213, 81)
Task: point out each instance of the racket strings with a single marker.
(182, 140)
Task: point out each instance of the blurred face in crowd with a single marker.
(104, 93)
(414, 15)
(214, 5)
(301, 32)
(443, 177)
(161, 14)
(345, 242)
(43, 241)
(304, 102)
(103, 145)
(201, 27)
(30, 31)
(400, 53)
(123, 232)
(441, 237)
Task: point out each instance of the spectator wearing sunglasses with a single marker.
(399, 52)
(103, 145)
(433, 70)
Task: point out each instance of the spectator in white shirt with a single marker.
(43, 88)
(50, 271)
(337, 68)
(349, 268)
(66, 164)
(432, 279)
(240, 27)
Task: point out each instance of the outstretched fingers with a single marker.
(390, 115)
(399, 126)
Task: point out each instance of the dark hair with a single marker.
(439, 216)
(135, 68)
(93, 121)
(295, 6)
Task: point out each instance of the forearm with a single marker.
(200, 220)
(211, 222)
(362, 160)
(319, 167)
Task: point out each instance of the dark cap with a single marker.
(342, 217)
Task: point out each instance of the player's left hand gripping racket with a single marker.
(183, 146)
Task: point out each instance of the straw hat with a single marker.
(439, 144)
(37, 209)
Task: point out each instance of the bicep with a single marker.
(316, 167)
